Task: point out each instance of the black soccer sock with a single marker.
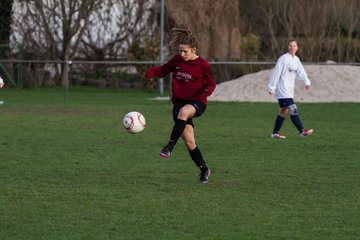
(178, 129)
(278, 123)
(296, 121)
(197, 157)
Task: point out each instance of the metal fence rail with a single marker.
(19, 64)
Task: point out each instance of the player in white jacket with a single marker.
(282, 83)
(1, 82)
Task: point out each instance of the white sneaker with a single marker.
(278, 135)
(306, 132)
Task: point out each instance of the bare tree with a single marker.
(347, 13)
(327, 29)
(113, 29)
(125, 29)
(82, 29)
(215, 23)
(122, 30)
(5, 20)
(54, 28)
(217, 26)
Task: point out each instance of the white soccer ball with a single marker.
(134, 122)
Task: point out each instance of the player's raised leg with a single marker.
(184, 114)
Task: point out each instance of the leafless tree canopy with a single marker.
(226, 29)
(326, 29)
(93, 29)
(53, 26)
(82, 29)
(114, 28)
(245, 30)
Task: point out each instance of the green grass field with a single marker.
(72, 172)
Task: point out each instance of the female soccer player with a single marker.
(282, 82)
(192, 83)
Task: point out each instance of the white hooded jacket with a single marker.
(282, 80)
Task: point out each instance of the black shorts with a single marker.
(199, 106)
(285, 102)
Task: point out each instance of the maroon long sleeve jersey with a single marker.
(191, 80)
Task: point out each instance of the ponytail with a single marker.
(183, 36)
